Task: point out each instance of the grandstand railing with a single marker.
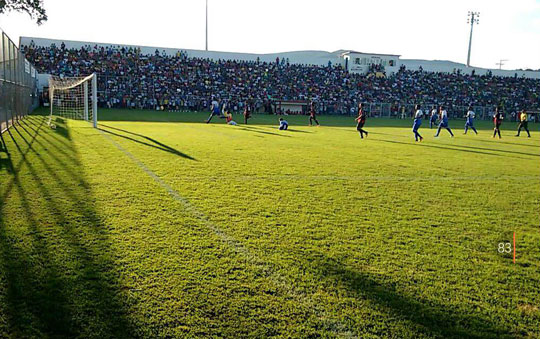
(18, 84)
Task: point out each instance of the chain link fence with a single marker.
(406, 111)
(18, 84)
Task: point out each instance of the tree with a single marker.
(34, 8)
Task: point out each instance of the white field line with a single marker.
(366, 178)
(334, 325)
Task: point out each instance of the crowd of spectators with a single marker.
(130, 79)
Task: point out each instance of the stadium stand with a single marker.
(130, 79)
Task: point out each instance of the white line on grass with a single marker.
(364, 178)
(333, 325)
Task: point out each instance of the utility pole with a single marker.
(501, 63)
(206, 25)
(472, 19)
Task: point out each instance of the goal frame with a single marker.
(92, 78)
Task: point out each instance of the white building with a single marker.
(359, 62)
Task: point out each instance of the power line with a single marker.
(501, 63)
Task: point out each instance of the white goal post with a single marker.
(74, 98)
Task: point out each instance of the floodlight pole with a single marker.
(206, 25)
(473, 19)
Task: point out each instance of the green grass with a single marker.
(168, 227)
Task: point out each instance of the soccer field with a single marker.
(164, 226)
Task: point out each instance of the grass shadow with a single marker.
(298, 131)
(3, 146)
(503, 151)
(56, 271)
(465, 148)
(507, 143)
(258, 130)
(430, 317)
(158, 145)
(458, 149)
(6, 162)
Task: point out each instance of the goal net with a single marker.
(74, 98)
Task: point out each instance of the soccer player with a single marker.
(417, 122)
(523, 123)
(214, 110)
(497, 121)
(224, 109)
(283, 124)
(228, 118)
(247, 112)
(312, 115)
(433, 117)
(443, 117)
(361, 120)
(470, 120)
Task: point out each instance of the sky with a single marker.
(415, 29)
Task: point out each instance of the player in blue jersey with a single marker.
(443, 117)
(214, 110)
(283, 124)
(470, 120)
(417, 122)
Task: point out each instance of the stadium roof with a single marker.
(356, 52)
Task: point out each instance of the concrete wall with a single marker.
(449, 66)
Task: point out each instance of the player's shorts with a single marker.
(433, 118)
(470, 122)
(444, 124)
(417, 124)
(360, 124)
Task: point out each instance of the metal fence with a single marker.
(406, 111)
(18, 84)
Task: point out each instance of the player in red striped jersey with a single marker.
(361, 120)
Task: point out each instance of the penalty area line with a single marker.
(333, 325)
